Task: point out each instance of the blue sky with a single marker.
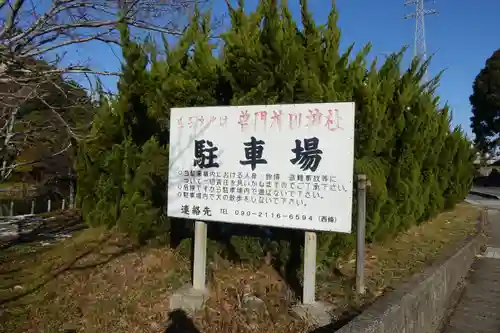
(462, 37)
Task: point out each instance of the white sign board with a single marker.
(272, 165)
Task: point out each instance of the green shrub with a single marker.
(417, 166)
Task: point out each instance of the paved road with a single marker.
(492, 192)
(479, 309)
(489, 203)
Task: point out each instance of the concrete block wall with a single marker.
(422, 304)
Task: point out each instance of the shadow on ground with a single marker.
(223, 233)
(45, 228)
(95, 254)
(179, 322)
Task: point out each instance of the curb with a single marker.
(423, 303)
(485, 195)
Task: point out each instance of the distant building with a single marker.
(490, 165)
(490, 159)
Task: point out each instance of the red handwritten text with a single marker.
(212, 120)
(333, 120)
(276, 119)
(223, 121)
(294, 120)
(314, 118)
(244, 119)
(260, 117)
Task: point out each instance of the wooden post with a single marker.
(63, 204)
(11, 208)
(32, 211)
(309, 291)
(200, 255)
(71, 194)
(49, 203)
(360, 233)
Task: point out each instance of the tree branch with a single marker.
(8, 169)
(32, 75)
(37, 104)
(66, 43)
(11, 18)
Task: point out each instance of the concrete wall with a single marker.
(421, 304)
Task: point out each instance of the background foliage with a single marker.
(485, 100)
(38, 121)
(417, 165)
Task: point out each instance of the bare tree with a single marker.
(35, 30)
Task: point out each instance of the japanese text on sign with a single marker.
(276, 165)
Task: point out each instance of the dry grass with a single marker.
(225, 310)
(388, 264)
(100, 282)
(96, 282)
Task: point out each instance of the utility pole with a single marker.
(419, 47)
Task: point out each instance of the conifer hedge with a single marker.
(417, 165)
